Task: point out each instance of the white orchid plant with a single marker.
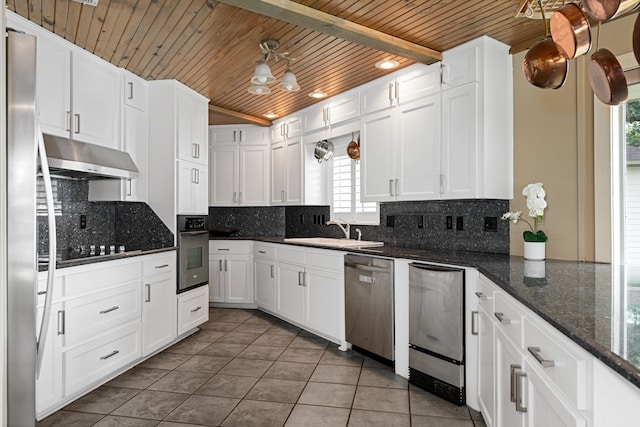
(536, 204)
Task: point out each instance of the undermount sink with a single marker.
(334, 243)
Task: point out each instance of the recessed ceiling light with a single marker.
(317, 94)
(387, 64)
(270, 116)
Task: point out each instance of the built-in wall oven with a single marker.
(193, 251)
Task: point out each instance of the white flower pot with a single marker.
(534, 250)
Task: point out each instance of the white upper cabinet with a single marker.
(339, 109)
(223, 167)
(231, 134)
(288, 128)
(192, 127)
(192, 188)
(135, 91)
(460, 65)
(287, 179)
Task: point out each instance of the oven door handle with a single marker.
(195, 233)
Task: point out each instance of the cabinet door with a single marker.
(254, 176)
(290, 292)
(158, 312)
(193, 309)
(134, 91)
(416, 84)
(49, 383)
(322, 301)
(315, 118)
(135, 143)
(295, 177)
(223, 135)
(239, 287)
(485, 367)
(546, 406)
(377, 96)
(293, 128)
(509, 362)
(459, 142)
(344, 108)
(459, 66)
(186, 179)
(216, 278)
(250, 135)
(96, 104)
(278, 173)
(223, 168)
(53, 84)
(192, 127)
(265, 283)
(277, 132)
(377, 159)
(418, 150)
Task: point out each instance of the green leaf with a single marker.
(537, 237)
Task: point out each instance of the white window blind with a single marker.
(41, 200)
(346, 204)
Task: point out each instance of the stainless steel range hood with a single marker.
(76, 159)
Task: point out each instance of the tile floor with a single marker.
(247, 368)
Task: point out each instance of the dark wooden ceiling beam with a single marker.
(295, 13)
(244, 117)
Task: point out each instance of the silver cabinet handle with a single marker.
(41, 292)
(193, 175)
(196, 309)
(391, 187)
(300, 278)
(129, 187)
(397, 182)
(77, 121)
(61, 322)
(328, 115)
(234, 197)
(512, 382)
(390, 93)
(195, 151)
(519, 404)
(240, 197)
(162, 266)
(113, 353)
(234, 136)
(441, 184)
(109, 310)
(501, 318)
(130, 90)
(148, 286)
(286, 132)
(241, 139)
(272, 272)
(220, 261)
(226, 265)
(224, 249)
(480, 295)
(474, 323)
(398, 92)
(262, 252)
(68, 121)
(197, 176)
(535, 351)
(304, 278)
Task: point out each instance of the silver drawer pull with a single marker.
(500, 317)
(519, 404)
(113, 353)
(162, 266)
(474, 323)
(41, 292)
(431, 337)
(512, 381)
(535, 352)
(480, 295)
(262, 252)
(109, 310)
(223, 249)
(196, 309)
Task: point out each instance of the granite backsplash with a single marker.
(132, 224)
(416, 225)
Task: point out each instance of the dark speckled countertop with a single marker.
(101, 258)
(591, 303)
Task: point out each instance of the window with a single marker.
(346, 204)
(41, 200)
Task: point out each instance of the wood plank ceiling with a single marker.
(213, 47)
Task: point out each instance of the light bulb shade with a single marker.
(262, 75)
(257, 89)
(289, 82)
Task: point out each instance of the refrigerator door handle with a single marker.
(46, 314)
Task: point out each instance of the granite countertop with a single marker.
(101, 258)
(577, 298)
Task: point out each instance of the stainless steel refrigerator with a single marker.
(25, 160)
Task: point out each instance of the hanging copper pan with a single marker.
(543, 65)
(353, 149)
(570, 31)
(606, 77)
(636, 39)
(603, 10)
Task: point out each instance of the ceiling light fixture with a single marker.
(387, 64)
(317, 94)
(270, 116)
(263, 76)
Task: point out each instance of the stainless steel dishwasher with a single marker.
(436, 330)
(369, 304)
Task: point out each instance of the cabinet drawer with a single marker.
(511, 315)
(290, 254)
(193, 309)
(560, 364)
(159, 265)
(96, 359)
(229, 247)
(485, 294)
(325, 259)
(264, 251)
(90, 315)
(100, 277)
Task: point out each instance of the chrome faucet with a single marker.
(344, 226)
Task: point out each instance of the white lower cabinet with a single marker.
(486, 399)
(158, 303)
(49, 384)
(230, 272)
(265, 283)
(509, 371)
(290, 291)
(193, 309)
(322, 311)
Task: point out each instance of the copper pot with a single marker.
(353, 149)
(606, 77)
(570, 31)
(602, 10)
(544, 66)
(636, 39)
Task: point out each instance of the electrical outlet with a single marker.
(459, 223)
(301, 218)
(83, 221)
(449, 222)
(420, 221)
(391, 221)
(490, 223)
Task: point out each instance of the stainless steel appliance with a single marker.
(436, 330)
(25, 345)
(193, 252)
(369, 304)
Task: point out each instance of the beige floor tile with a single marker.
(382, 378)
(324, 394)
(309, 341)
(253, 328)
(336, 374)
(273, 390)
(264, 352)
(68, 418)
(227, 386)
(333, 356)
(234, 337)
(251, 413)
(246, 367)
(103, 400)
(188, 346)
(223, 349)
(382, 399)
(149, 404)
(425, 421)
(317, 416)
(215, 325)
(360, 418)
(274, 339)
(165, 361)
(423, 403)
(203, 410)
(113, 421)
(204, 364)
(290, 371)
(180, 382)
(301, 355)
(138, 377)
